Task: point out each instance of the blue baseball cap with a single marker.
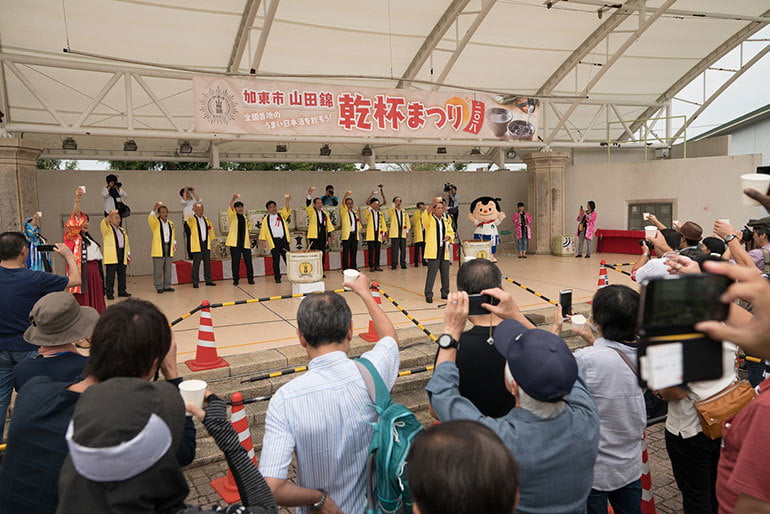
(540, 362)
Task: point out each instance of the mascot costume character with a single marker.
(486, 216)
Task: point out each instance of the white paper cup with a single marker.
(646, 216)
(350, 275)
(39, 214)
(578, 320)
(649, 231)
(758, 181)
(724, 220)
(676, 223)
(83, 188)
(193, 391)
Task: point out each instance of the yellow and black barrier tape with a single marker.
(529, 290)
(619, 264)
(3, 447)
(275, 374)
(612, 267)
(251, 300)
(409, 316)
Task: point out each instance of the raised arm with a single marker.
(655, 221)
(235, 198)
(381, 321)
(286, 201)
(309, 198)
(76, 207)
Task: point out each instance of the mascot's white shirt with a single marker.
(487, 229)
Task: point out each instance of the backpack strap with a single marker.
(375, 386)
(625, 359)
(766, 256)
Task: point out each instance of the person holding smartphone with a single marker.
(586, 228)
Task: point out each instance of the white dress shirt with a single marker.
(203, 227)
(121, 240)
(109, 201)
(375, 220)
(276, 225)
(93, 252)
(353, 222)
(323, 417)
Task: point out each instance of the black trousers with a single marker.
(419, 251)
(278, 253)
(398, 251)
(112, 270)
(350, 253)
(320, 242)
(187, 240)
(374, 253)
(434, 267)
(694, 462)
(205, 256)
(235, 261)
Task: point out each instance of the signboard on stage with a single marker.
(230, 105)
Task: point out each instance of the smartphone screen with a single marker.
(765, 170)
(475, 301)
(46, 248)
(565, 300)
(676, 303)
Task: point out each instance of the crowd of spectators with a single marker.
(524, 424)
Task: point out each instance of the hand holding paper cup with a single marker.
(192, 392)
(350, 275)
(578, 321)
(646, 216)
(649, 231)
(758, 181)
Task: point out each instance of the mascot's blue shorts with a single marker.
(486, 237)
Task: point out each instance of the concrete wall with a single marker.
(709, 147)
(701, 189)
(753, 139)
(144, 188)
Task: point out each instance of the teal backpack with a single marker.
(394, 431)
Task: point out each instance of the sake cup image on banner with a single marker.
(350, 275)
(649, 231)
(192, 392)
(758, 181)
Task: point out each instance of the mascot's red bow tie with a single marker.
(485, 223)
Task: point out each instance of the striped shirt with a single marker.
(323, 418)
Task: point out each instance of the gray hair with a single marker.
(543, 410)
(324, 318)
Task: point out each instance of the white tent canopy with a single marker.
(595, 66)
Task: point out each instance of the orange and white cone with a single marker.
(648, 499)
(225, 486)
(371, 335)
(604, 281)
(206, 353)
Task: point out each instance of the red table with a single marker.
(619, 241)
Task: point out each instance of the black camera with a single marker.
(747, 235)
(448, 187)
(643, 242)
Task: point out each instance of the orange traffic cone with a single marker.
(206, 354)
(371, 335)
(225, 486)
(648, 500)
(603, 279)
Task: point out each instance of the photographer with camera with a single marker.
(114, 197)
(452, 203)
(648, 266)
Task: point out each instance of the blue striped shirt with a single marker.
(323, 418)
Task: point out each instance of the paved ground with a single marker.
(668, 500)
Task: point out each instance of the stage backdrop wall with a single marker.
(144, 188)
(701, 189)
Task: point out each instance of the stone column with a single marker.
(546, 197)
(18, 181)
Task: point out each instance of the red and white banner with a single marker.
(267, 107)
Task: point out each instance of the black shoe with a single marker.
(416, 265)
(392, 267)
(168, 289)
(403, 266)
(235, 283)
(578, 256)
(428, 300)
(588, 256)
(444, 297)
(520, 257)
(323, 276)
(110, 297)
(251, 281)
(195, 286)
(277, 280)
(160, 291)
(124, 295)
(523, 256)
(210, 284)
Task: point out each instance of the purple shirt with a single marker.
(758, 256)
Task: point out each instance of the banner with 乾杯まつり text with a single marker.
(267, 107)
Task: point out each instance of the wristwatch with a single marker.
(320, 503)
(730, 237)
(447, 341)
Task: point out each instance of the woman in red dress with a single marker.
(91, 292)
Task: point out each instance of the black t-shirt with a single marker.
(482, 374)
(241, 230)
(65, 367)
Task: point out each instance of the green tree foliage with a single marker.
(49, 164)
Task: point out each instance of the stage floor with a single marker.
(245, 328)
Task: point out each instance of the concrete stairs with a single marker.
(417, 350)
